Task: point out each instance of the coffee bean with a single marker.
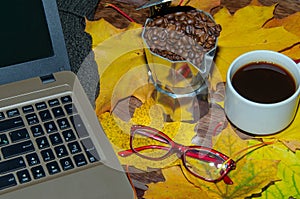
(190, 21)
(159, 21)
(182, 35)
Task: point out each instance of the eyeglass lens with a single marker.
(153, 145)
(204, 164)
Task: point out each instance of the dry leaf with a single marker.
(250, 176)
(176, 186)
(205, 5)
(118, 132)
(240, 35)
(291, 24)
(290, 137)
(288, 171)
(121, 64)
(100, 30)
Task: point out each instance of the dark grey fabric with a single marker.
(73, 14)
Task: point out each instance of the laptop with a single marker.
(51, 142)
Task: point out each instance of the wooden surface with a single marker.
(283, 9)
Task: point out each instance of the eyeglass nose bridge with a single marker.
(179, 149)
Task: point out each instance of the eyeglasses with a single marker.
(204, 163)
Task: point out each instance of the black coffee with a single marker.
(264, 82)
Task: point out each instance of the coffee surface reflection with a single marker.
(264, 82)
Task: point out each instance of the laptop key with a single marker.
(50, 127)
(21, 134)
(53, 102)
(58, 112)
(90, 150)
(40, 105)
(66, 164)
(79, 126)
(27, 109)
(70, 109)
(32, 159)
(74, 147)
(13, 112)
(12, 165)
(53, 168)
(69, 135)
(66, 99)
(61, 151)
(3, 140)
(2, 116)
(47, 155)
(17, 149)
(37, 130)
(38, 172)
(11, 124)
(80, 160)
(63, 124)
(23, 176)
(32, 119)
(7, 181)
(55, 139)
(42, 142)
(45, 115)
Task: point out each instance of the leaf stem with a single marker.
(119, 10)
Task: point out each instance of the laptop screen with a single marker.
(26, 36)
(32, 41)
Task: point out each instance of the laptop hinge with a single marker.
(47, 79)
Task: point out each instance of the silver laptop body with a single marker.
(51, 143)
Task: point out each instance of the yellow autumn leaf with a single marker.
(121, 64)
(240, 34)
(118, 133)
(291, 24)
(290, 136)
(176, 186)
(288, 171)
(100, 30)
(293, 52)
(250, 176)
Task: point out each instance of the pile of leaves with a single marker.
(268, 169)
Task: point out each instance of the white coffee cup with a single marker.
(261, 118)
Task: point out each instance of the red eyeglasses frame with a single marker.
(181, 150)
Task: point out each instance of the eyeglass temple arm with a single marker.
(153, 136)
(129, 152)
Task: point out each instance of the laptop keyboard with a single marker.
(44, 139)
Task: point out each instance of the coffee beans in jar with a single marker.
(182, 35)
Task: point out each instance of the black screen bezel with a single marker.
(44, 66)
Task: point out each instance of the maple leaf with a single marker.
(250, 176)
(100, 30)
(240, 34)
(291, 24)
(118, 133)
(175, 186)
(288, 171)
(121, 63)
